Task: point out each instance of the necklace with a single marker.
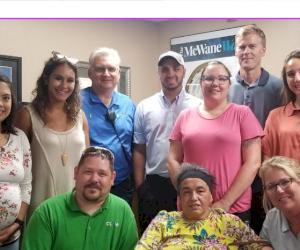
(64, 156)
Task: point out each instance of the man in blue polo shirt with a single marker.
(257, 88)
(110, 116)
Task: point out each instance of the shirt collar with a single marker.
(95, 99)
(263, 79)
(290, 109)
(179, 97)
(71, 202)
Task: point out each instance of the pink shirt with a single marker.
(216, 144)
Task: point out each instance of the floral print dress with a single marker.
(220, 230)
(15, 178)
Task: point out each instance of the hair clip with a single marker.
(58, 56)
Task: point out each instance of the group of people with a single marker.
(190, 162)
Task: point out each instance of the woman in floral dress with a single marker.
(15, 171)
(198, 226)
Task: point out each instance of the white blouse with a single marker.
(15, 177)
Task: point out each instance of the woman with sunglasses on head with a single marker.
(224, 137)
(282, 135)
(281, 180)
(15, 171)
(56, 127)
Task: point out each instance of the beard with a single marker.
(93, 193)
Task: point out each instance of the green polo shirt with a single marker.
(59, 224)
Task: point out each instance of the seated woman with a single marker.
(198, 226)
(281, 179)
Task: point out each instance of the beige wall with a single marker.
(139, 43)
(33, 40)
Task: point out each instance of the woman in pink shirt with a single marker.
(221, 136)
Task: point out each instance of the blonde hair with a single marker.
(290, 166)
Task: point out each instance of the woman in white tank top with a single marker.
(56, 127)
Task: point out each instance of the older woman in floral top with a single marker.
(198, 226)
(15, 171)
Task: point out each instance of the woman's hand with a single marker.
(221, 204)
(5, 233)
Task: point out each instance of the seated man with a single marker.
(198, 226)
(87, 218)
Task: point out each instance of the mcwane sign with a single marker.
(206, 49)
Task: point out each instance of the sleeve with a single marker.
(129, 236)
(139, 136)
(153, 236)
(250, 127)
(268, 141)
(38, 234)
(26, 182)
(176, 133)
(246, 237)
(264, 233)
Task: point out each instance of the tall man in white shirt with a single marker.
(154, 120)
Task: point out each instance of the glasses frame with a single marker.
(56, 56)
(283, 184)
(214, 79)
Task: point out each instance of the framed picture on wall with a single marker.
(11, 67)
(124, 85)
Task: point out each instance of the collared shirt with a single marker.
(104, 134)
(154, 120)
(282, 135)
(261, 97)
(60, 224)
(277, 231)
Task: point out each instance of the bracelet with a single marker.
(19, 222)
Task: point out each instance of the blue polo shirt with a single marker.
(261, 97)
(102, 132)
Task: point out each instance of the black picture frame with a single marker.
(11, 66)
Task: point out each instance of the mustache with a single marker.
(92, 185)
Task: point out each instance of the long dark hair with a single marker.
(7, 124)
(288, 94)
(41, 99)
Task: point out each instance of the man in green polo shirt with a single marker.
(89, 217)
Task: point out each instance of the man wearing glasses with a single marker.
(87, 218)
(255, 87)
(110, 116)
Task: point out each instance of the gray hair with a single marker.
(104, 51)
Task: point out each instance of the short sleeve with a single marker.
(152, 238)
(139, 136)
(176, 133)
(26, 182)
(268, 142)
(250, 127)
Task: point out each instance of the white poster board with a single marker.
(198, 49)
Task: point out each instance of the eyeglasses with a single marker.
(103, 152)
(283, 184)
(221, 80)
(102, 70)
(59, 57)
